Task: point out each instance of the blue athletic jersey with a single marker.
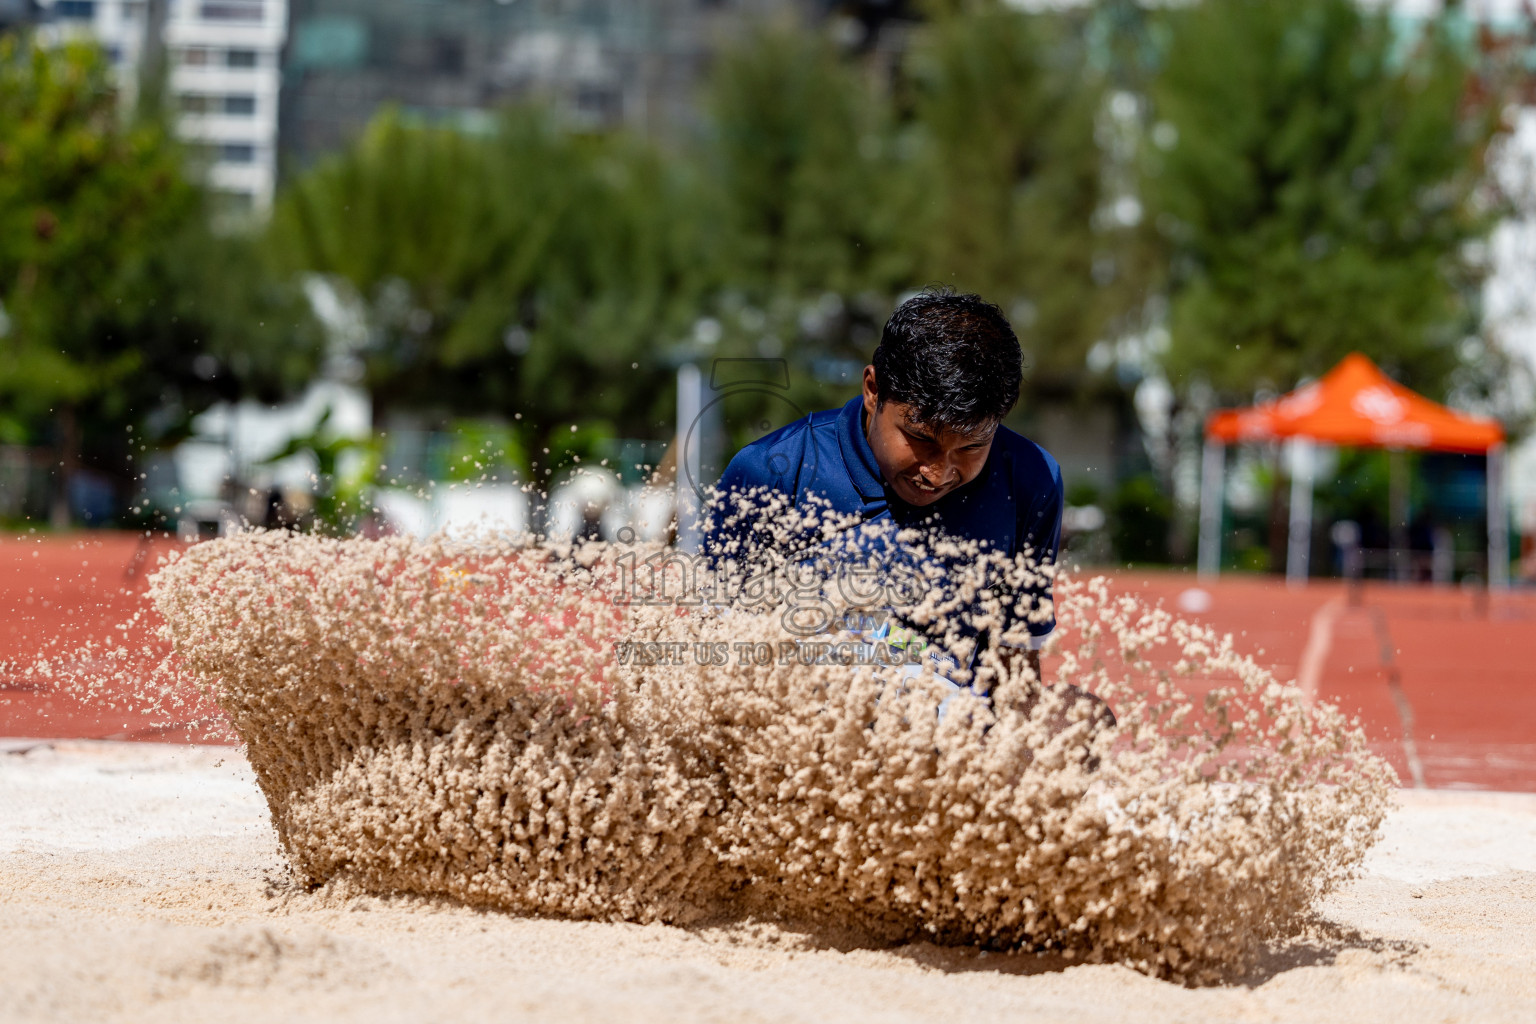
(1014, 505)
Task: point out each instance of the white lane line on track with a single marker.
(1319, 643)
(1399, 697)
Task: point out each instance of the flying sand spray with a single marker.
(471, 719)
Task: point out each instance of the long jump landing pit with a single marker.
(1326, 941)
(144, 882)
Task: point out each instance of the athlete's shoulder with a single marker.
(792, 436)
(1028, 463)
(756, 463)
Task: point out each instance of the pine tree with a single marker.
(1319, 180)
(1010, 177)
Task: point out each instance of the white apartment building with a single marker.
(224, 74)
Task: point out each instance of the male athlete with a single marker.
(922, 446)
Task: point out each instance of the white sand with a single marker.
(142, 882)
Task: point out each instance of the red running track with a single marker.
(57, 595)
(1442, 678)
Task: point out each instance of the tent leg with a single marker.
(1498, 521)
(1299, 550)
(690, 406)
(1212, 465)
(1397, 488)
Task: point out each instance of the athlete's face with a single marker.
(919, 462)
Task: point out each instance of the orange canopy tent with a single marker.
(1356, 405)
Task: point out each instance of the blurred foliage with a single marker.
(533, 270)
(1318, 177)
(972, 164)
(802, 158)
(1231, 193)
(1139, 517)
(1360, 491)
(564, 275)
(341, 492)
(484, 450)
(1314, 184)
(800, 170)
(588, 444)
(1010, 178)
(80, 195)
(121, 308)
(1248, 189)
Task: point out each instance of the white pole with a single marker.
(1498, 521)
(1397, 496)
(1212, 464)
(1299, 551)
(690, 404)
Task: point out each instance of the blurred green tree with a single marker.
(1140, 511)
(120, 307)
(1010, 179)
(530, 271)
(340, 499)
(847, 180)
(802, 153)
(1318, 174)
(799, 168)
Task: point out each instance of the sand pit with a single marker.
(143, 882)
(452, 719)
(444, 737)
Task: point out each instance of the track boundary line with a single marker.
(1399, 696)
(1314, 656)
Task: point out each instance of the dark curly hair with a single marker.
(953, 358)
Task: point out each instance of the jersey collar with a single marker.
(863, 471)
